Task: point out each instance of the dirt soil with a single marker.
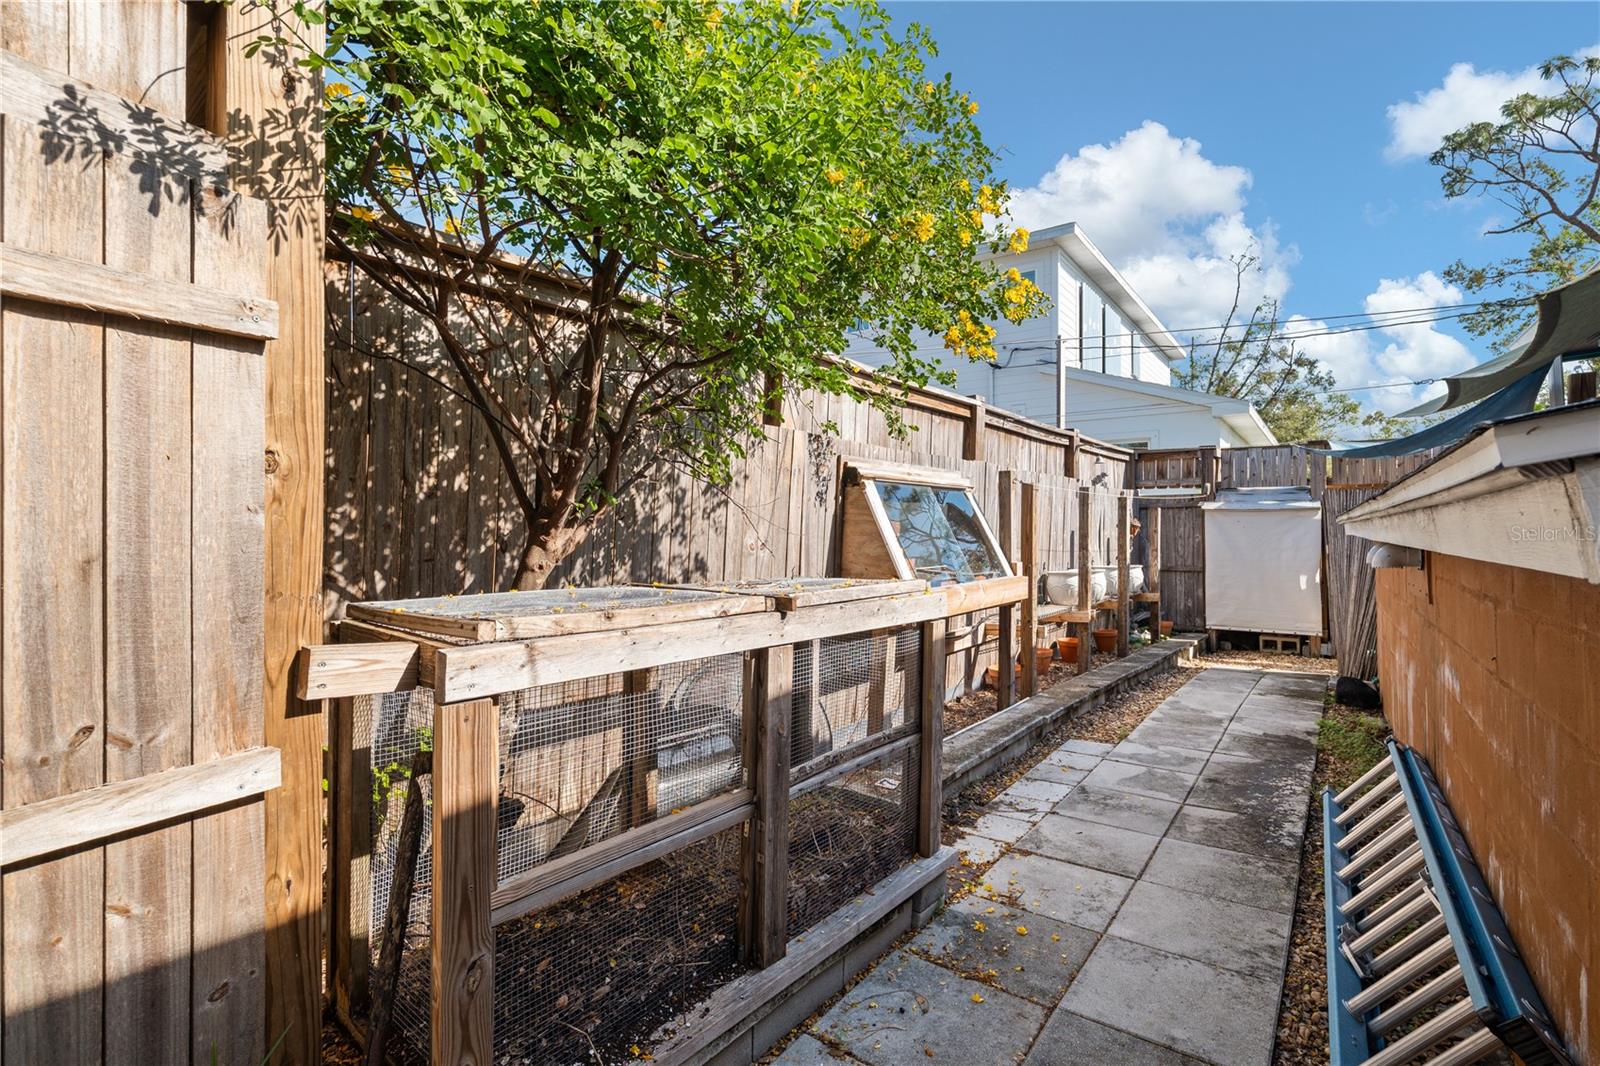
(978, 705)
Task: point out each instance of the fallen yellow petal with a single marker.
(977, 998)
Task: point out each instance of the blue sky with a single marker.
(1180, 133)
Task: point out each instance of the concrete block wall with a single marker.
(1493, 673)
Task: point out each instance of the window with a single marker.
(1028, 275)
(941, 532)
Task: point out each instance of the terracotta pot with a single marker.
(1067, 648)
(1166, 627)
(1105, 640)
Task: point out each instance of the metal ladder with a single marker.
(1421, 966)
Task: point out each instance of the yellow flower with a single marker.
(365, 214)
(794, 9)
(336, 89)
(972, 107)
(835, 175)
(922, 226)
(1014, 275)
(965, 235)
(1019, 240)
(452, 226)
(977, 218)
(1022, 930)
(988, 201)
(714, 17)
(927, 88)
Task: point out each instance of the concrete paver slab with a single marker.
(1274, 838)
(1235, 937)
(1071, 1039)
(977, 936)
(1092, 844)
(1087, 747)
(1140, 780)
(1213, 1014)
(1005, 826)
(807, 1050)
(1077, 760)
(1055, 774)
(1026, 795)
(908, 1006)
(978, 849)
(1064, 891)
(1251, 786)
(1142, 814)
(1230, 875)
(1187, 760)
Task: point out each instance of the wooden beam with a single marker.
(358, 632)
(473, 671)
(465, 776)
(982, 594)
(973, 430)
(327, 671)
(1005, 689)
(906, 473)
(556, 879)
(930, 781)
(1124, 594)
(269, 110)
(642, 741)
(841, 761)
(67, 282)
(1030, 601)
(350, 928)
(1085, 580)
(76, 819)
(74, 112)
(768, 718)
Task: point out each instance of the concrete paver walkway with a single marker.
(1138, 909)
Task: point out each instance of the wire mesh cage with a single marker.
(395, 727)
(848, 831)
(600, 976)
(847, 689)
(584, 761)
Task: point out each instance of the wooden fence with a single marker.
(131, 817)
(417, 504)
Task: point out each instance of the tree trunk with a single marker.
(543, 555)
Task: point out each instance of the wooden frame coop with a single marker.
(645, 811)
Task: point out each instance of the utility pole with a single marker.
(1061, 383)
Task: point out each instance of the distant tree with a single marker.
(1251, 359)
(1542, 161)
(726, 192)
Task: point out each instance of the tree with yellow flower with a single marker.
(717, 194)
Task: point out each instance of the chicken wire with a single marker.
(395, 726)
(849, 832)
(841, 682)
(603, 975)
(583, 761)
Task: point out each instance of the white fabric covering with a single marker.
(1264, 562)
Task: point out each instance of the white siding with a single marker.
(1118, 416)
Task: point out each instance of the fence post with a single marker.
(1124, 595)
(1005, 688)
(973, 431)
(767, 707)
(466, 755)
(349, 936)
(1085, 580)
(930, 800)
(1152, 543)
(1030, 602)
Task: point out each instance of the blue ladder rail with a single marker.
(1420, 961)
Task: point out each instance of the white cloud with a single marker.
(1167, 216)
(1405, 350)
(1466, 95)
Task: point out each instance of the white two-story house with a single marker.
(1098, 360)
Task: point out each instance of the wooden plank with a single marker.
(974, 431)
(328, 671)
(227, 572)
(465, 775)
(52, 606)
(1030, 601)
(769, 695)
(1005, 690)
(475, 670)
(1124, 610)
(272, 105)
(907, 473)
(641, 744)
(356, 632)
(148, 879)
(83, 117)
(1085, 581)
(135, 51)
(67, 282)
(808, 774)
(72, 821)
(981, 594)
(930, 780)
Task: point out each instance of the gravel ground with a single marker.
(1303, 1013)
(1275, 660)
